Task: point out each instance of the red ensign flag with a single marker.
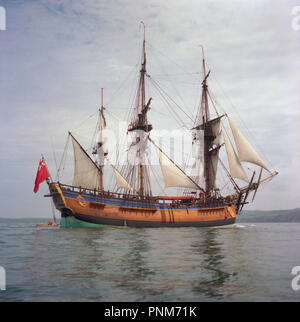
(42, 175)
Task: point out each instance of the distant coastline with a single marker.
(289, 215)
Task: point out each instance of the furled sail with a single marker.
(173, 175)
(86, 173)
(245, 150)
(197, 173)
(101, 149)
(138, 147)
(121, 182)
(236, 169)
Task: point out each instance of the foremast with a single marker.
(143, 117)
(100, 148)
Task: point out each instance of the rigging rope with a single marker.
(62, 161)
(54, 156)
(240, 118)
(159, 87)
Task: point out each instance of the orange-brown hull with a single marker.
(139, 213)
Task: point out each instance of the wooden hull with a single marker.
(153, 223)
(112, 210)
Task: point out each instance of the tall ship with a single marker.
(199, 201)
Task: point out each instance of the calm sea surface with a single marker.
(248, 262)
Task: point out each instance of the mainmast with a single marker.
(142, 123)
(143, 72)
(206, 128)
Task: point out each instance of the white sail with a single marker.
(100, 156)
(138, 147)
(197, 171)
(121, 182)
(245, 150)
(103, 136)
(101, 141)
(86, 173)
(173, 175)
(236, 169)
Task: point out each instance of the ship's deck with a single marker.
(135, 201)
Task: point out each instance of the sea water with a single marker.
(245, 262)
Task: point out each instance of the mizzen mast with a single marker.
(206, 128)
(204, 100)
(211, 136)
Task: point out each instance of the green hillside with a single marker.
(289, 215)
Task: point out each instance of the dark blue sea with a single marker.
(247, 262)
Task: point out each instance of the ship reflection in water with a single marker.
(213, 275)
(128, 264)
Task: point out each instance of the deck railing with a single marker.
(151, 200)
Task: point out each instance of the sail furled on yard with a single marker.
(121, 181)
(197, 171)
(138, 147)
(236, 169)
(86, 173)
(245, 150)
(101, 140)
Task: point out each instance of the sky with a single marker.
(55, 56)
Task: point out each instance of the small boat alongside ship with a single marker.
(49, 224)
(200, 203)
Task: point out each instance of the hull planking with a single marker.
(112, 209)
